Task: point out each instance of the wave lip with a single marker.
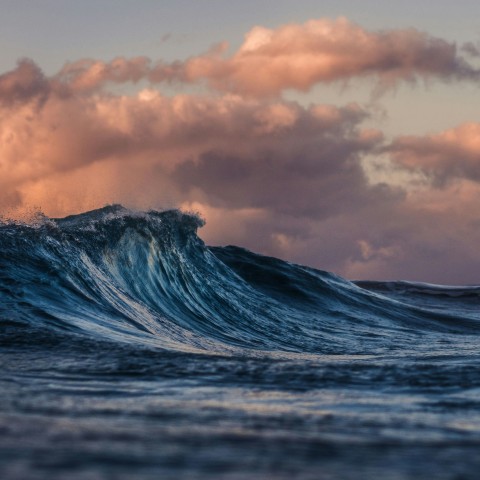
(147, 278)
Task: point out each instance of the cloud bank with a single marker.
(269, 174)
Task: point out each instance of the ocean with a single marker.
(131, 350)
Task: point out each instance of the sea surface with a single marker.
(131, 350)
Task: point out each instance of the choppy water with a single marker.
(129, 349)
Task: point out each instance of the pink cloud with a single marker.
(25, 82)
(87, 74)
(443, 157)
(270, 61)
(192, 143)
(298, 56)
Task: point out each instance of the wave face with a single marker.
(148, 278)
(129, 349)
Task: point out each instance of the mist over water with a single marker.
(129, 349)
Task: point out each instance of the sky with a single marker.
(343, 135)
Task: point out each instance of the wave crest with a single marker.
(147, 278)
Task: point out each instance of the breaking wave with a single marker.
(148, 279)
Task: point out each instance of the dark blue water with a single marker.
(130, 350)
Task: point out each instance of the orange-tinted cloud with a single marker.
(270, 61)
(25, 82)
(450, 155)
(88, 75)
(298, 56)
(237, 153)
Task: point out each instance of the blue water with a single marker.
(130, 350)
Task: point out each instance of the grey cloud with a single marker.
(471, 49)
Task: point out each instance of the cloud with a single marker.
(271, 61)
(88, 74)
(308, 165)
(299, 56)
(471, 49)
(234, 152)
(24, 83)
(432, 235)
(451, 155)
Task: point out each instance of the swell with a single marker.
(148, 279)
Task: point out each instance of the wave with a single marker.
(146, 278)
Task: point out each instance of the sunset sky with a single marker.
(343, 134)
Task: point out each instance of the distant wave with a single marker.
(147, 278)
